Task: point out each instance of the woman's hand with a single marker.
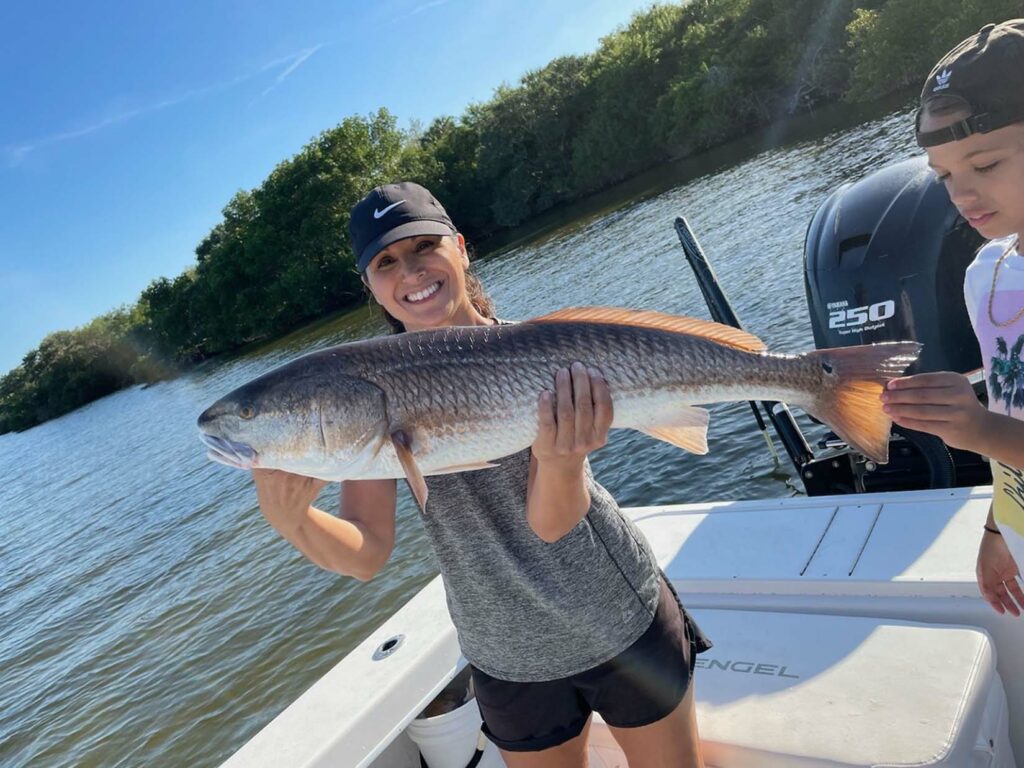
(284, 495)
(574, 419)
(942, 404)
(358, 544)
(997, 575)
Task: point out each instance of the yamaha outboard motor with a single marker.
(884, 260)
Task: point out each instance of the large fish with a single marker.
(458, 399)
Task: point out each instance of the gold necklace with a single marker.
(995, 276)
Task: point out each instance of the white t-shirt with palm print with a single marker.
(1002, 352)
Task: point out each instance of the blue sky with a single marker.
(126, 127)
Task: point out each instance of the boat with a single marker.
(847, 623)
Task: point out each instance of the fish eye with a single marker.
(247, 412)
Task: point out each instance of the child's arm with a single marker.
(997, 572)
(944, 404)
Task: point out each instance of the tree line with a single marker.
(676, 80)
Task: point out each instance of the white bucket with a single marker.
(450, 740)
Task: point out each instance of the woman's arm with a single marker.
(944, 404)
(573, 422)
(358, 543)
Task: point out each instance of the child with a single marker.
(971, 123)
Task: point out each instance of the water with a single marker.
(150, 616)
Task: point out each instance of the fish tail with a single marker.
(852, 404)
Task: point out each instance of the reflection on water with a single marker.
(151, 616)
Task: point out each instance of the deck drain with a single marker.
(388, 647)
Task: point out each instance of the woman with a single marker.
(560, 607)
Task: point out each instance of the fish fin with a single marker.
(452, 469)
(852, 406)
(723, 334)
(686, 429)
(413, 476)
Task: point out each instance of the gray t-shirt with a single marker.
(526, 610)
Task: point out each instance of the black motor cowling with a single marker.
(884, 260)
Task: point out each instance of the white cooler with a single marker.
(781, 690)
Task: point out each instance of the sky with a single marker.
(125, 128)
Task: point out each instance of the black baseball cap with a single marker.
(980, 82)
(393, 212)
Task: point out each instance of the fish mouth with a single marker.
(228, 452)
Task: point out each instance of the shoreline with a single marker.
(838, 116)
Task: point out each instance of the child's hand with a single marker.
(997, 576)
(942, 404)
(575, 419)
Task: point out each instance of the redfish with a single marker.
(461, 398)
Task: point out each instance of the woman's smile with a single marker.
(425, 294)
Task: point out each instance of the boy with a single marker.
(971, 123)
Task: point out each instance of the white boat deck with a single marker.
(906, 556)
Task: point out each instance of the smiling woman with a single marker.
(557, 598)
(414, 262)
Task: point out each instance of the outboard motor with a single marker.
(884, 260)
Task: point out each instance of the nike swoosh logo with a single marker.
(377, 214)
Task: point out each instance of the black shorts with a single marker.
(638, 687)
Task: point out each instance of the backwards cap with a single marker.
(981, 81)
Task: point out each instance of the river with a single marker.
(150, 616)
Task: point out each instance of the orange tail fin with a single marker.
(852, 406)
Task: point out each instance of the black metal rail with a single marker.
(721, 312)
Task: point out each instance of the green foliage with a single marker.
(526, 136)
(281, 256)
(890, 51)
(166, 316)
(71, 368)
(625, 79)
(759, 60)
(677, 79)
(455, 145)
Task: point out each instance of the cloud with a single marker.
(15, 153)
(426, 6)
(419, 9)
(297, 60)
